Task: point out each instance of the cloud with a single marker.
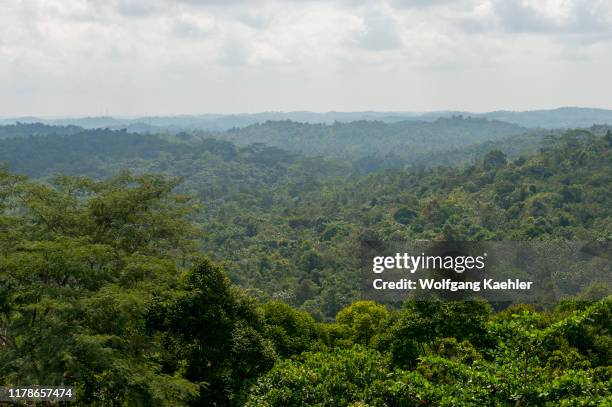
(137, 8)
(234, 53)
(419, 3)
(144, 56)
(255, 19)
(554, 17)
(191, 27)
(380, 33)
(527, 17)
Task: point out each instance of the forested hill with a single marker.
(406, 141)
(38, 149)
(36, 129)
(100, 153)
(284, 223)
(102, 284)
(82, 152)
(299, 234)
(564, 117)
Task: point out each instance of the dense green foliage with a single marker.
(103, 285)
(282, 224)
(78, 153)
(35, 129)
(531, 359)
(292, 241)
(373, 146)
(81, 263)
(367, 146)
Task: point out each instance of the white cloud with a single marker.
(187, 26)
(381, 32)
(190, 56)
(555, 16)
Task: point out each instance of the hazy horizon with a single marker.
(288, 112)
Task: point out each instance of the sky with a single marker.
(163, 57)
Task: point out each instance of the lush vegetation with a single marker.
(373, 146)
(103, 283)
(35, 129)
(365, 146)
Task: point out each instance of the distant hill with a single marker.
(368, 146)
(373, 145)
(212, 122)
(35, 129)
(564, 117)
(365, 146)
(84, 152)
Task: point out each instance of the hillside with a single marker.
(366, 146)
(374, 145)
(282, 223)
(104, 287)
(35, 129)
(563, 117)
